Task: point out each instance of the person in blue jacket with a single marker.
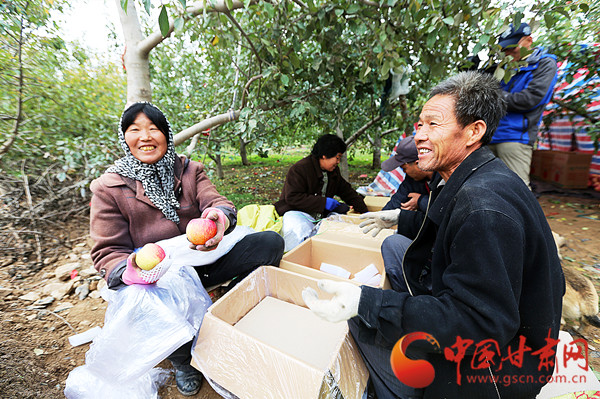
(526, 95)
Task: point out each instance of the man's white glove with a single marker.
(379, 220)
(343, 305)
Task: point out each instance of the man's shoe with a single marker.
(188, 380)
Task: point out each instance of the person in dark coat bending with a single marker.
(309, 190)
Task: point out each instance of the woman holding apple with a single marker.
(151, 194)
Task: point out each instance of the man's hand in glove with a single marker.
(379, 220)
(343, 305)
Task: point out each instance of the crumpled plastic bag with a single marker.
(142, 326)
(178, 248)
(83, 383)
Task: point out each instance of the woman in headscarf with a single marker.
(151, 194)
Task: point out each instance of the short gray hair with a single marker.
(477, 96)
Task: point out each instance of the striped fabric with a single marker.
(568, 132)
(385, 183)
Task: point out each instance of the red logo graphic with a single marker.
(416, 373)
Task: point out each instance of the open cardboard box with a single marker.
(307, 257)
(344, 229)
(251, 367)
(373, 204)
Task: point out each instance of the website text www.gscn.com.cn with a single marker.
(507, 380)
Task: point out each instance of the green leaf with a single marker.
(124, 4)
(549, 19)
(338, 11)
(448, 20)
(353, 9)
(163, 22)
(499, 73)
(366, 70)
(183, 3)
(147, 5)
(584, 7)
(431, 38)
(285, 80)
(294, 60)
(178, 23)
(563, 12)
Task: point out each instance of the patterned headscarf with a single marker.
(158, 179)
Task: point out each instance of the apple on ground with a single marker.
(200, 230)
(149, 256)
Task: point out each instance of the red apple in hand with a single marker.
(200, 230)
(149, 256)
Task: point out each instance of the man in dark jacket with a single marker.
(526, 95)
(484, 282)
(412, 197)
(309, 188)
(413, 192)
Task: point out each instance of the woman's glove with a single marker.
(379, 220)
(331, 204)
(131, 274)
(343, 305)
(222, 222)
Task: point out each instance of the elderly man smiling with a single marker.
(483, 267)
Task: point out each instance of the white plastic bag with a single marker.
(179, 249)
(143, 325)
(82, 383)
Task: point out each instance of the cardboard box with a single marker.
(569, 169)
(251, 367)
(307, 257)
(536, 163)
(344, 229)
(375, 204)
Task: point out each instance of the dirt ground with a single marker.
(36, 357)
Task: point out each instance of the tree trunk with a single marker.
(219, 165)
(376, 165)
(344, 170)
(19, 114)
(243, 153)
(135, 60)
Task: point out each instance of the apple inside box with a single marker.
(309, 258)
(260, 341)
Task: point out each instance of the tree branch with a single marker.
(579, 112)
(300, 3)
(389, 131)
(228, 14)
(350, 140)
(246, 87)
(193, 10)
(205, 124)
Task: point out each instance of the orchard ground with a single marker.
(36, 357)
